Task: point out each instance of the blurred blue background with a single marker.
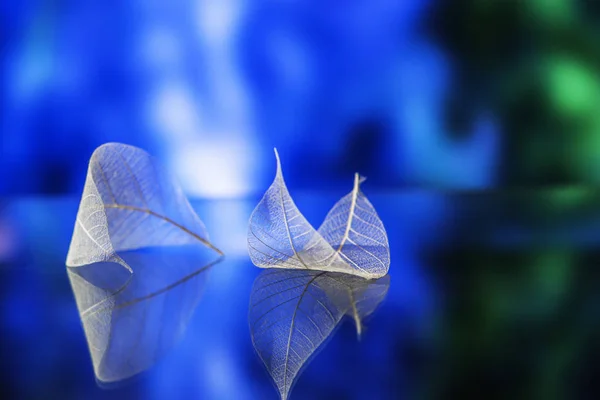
(211, 87)
(477, 123)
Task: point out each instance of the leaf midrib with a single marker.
(166, 219)
(293, 323)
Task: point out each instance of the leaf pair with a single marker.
(135, 261)
(137, 247)
(318, 276)
(351, 240)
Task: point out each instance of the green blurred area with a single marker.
(536, 64)
(517, 324)
(524, 323)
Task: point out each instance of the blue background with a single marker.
(211, 88)
(476, 123)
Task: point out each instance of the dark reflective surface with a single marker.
(494, 294)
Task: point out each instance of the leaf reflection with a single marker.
(131, 320)
(293, 312)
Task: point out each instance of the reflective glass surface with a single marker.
(489, 292)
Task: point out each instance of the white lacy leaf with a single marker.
(132, 320)
(128, 203)
(352, 239)
(293, 312)
(280, 236)
(354, 230)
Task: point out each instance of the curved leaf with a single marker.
(280, 236)
(128, 203)
(132, 320)
(353, 228)
(293, 312)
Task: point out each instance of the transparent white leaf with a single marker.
(352, 239)
(293, 312)
(129, 202)
(132, 320)
(353, 228)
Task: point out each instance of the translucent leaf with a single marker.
(279, 235)
(293, 312)
(132, 320)
(128, 203)
(354, 230)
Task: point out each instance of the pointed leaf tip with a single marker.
(359, 179)
(278, 162)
